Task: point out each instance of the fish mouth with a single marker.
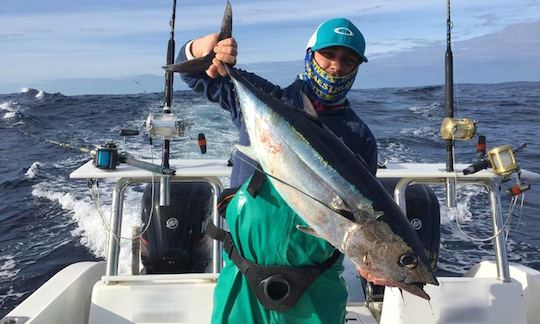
(415, 288)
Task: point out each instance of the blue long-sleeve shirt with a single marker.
(343, 122)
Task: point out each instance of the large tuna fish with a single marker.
(323, 181)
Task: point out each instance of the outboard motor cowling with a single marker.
(174, 241)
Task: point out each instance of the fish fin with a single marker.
(226, 23)
(309, 110)
(307, 230)
(247, 151)
(194, 66)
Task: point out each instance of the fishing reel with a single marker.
(165, 126)
(502, 159)
(458, 129)
(106, 156)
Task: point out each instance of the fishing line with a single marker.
(476, 239)
(97, 203)
(472, 238)
(520, 213)
(94, 193)
(142, 88)
(503, 227)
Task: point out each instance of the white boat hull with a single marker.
(81, 294)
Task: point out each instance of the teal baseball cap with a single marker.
(338, 32)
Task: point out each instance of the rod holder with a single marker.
(164, 191)
(451, 195)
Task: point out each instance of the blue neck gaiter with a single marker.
(328, 89)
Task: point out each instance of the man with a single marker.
(262, 226)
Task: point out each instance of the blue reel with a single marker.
(106, 157)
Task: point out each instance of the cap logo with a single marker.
(343, 31)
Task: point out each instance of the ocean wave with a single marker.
(421, 132)
(33, 170)
(11, 295)
(466, 231)
(420, 90)
(11, 108)
(393, 151)
(31, 92)
(27, 90)
(37, 93)
(433, 111)
(93, 222)
(8, 267)
(10, 115)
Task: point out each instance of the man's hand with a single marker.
(226, 52)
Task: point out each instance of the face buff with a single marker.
(328, 89)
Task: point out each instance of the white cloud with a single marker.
(117, 41)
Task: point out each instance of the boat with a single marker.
(491, 291)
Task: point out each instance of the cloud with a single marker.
(512, 54)
(478, 60)
(71, 39)
(488, 20)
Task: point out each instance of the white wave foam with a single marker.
(429, 112)
(460, 248)
(9, 115)
(8, 106)
(33, 170)
(464, 207)
(394, 152)
(90, 227)
(27, 90)
(422, 132)
(40, 94)
(11, 109)
(7, 267)
(11, 294)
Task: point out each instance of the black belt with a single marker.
(276, 287)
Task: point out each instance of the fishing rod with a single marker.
(168, 92)
(449, 83)
(108, 157)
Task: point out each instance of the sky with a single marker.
(103, 46)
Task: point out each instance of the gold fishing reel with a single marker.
(458, 129)
(503, 160)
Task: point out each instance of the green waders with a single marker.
(264, 231)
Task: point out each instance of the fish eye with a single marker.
(408, 260)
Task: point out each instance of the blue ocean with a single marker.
(48, 221)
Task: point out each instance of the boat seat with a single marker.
(178, 298)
